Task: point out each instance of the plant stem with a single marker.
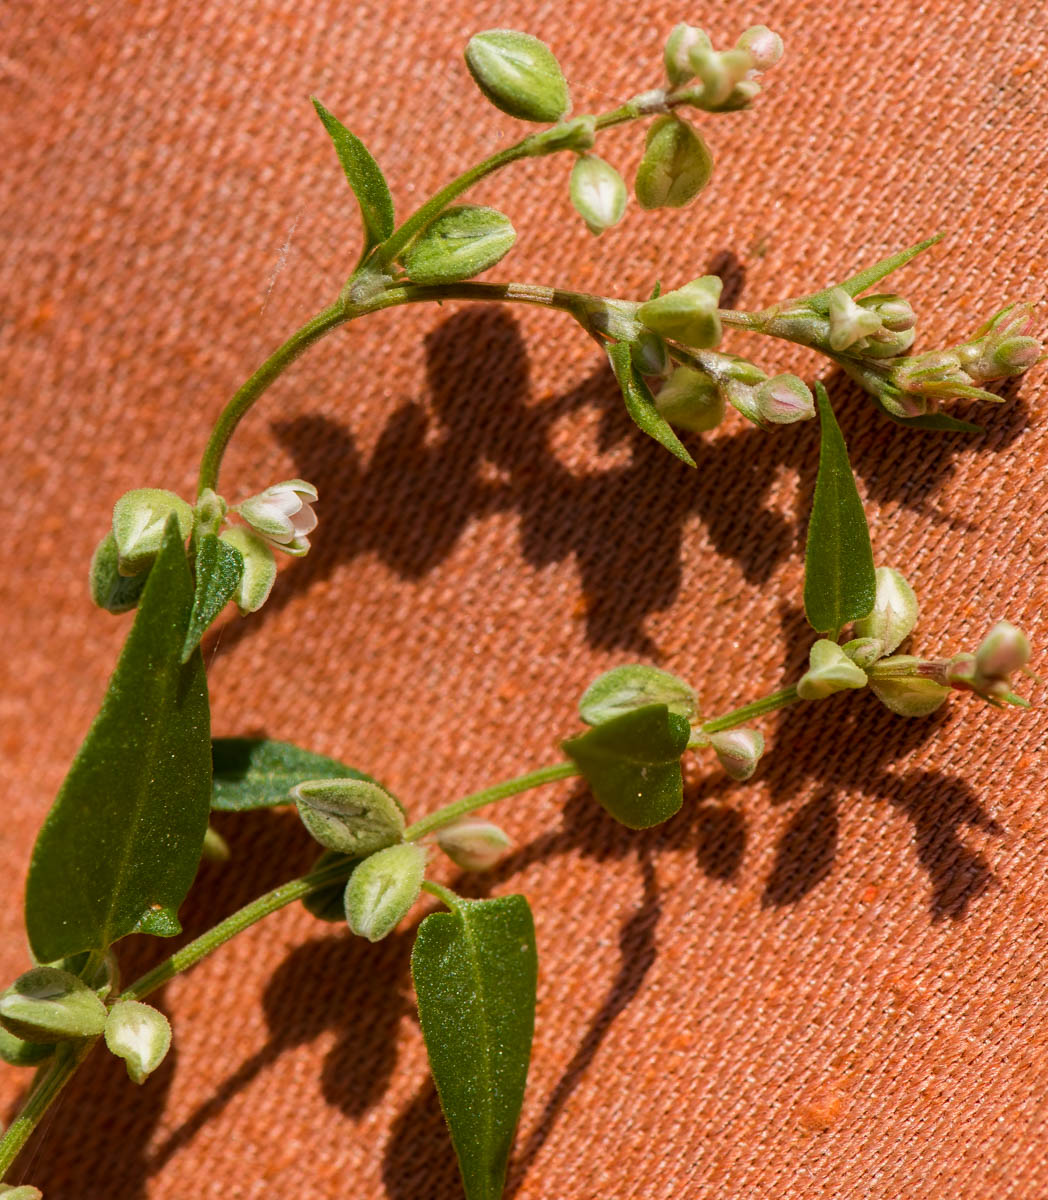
(443, 894)
(201, 947)
(47, 1085)
(452, 812)
(249, 392)
(739, 716)
(577, 303)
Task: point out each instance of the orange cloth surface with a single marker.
(826, 983)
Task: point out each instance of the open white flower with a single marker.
(283, 514)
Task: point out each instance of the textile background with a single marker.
(822, 984)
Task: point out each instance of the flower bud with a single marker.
(719, 73)
(907, 695)
(1004, 650)
(764, 47)
(738, 751)
(139, 519)
(383, 888)
(20, 1053)
(893, 311)
(676, 165)
(110, 590)
(690, 399)
(849, 321)
(519, 75)
(688, 315)
(138, 1034)
(49, 1005)
(598, 193)
(1015, 355)
(885, 344)
(462, 242)
(283, 515)
(830, 670)
(473, 845)
(679, 45)
(352, 816)
(864, 651)
(959, 672)
(650, 354)
(578, 134)
(784, 399)
(635, 685)
(895, 611)
(260, 568)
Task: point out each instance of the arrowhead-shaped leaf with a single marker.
(219, 568)
(475, 970)
(365, 178)
(121, 845)
(640, 404)
(258, 772)
(632, 764)
(839, 580)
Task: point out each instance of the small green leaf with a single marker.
(219, 568)
(475, 972)
(635, 685)
(640, 404)
(365, 178)
(258, 773)
(109, 589)
(839, 580)
(938, 421)
(632, 764)
(460, 243)
(866, 279)
(121, 845)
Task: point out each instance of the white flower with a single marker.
(283, 514)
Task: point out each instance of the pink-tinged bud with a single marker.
(283, 514)
(959, 672)
(764, 47)
(679, 45)
(849, 322)
(784, 399)
(893, 311)
(1017, 354)
(738, 751)
(1004, 650)
(473, 845)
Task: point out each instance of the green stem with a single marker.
(201, 947)
(245, 397)
(739, 716)
(443, 894)
(49, 1083)
(579, 304)
(460, 808)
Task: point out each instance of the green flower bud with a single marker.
(893, 311)
(1015, 355)
(849, 322)
(352, 816)
(518, 74)
(1004, 650)
(49, 1005)
(139, 518)
(676, 165)
(721, 73)
(830, 670)
(20, 1053)
(383, 888)
(138, 1034)
(738, 751)
(650, 353)
(473, 845)
(460, 243)
(688, 315)
(679, 45)
(895, 611)
(635, 685)
(691, 400)
(907, 695)
(110, 590)
(260, 568)
(784, 399)
(863, 652)
(598, 193)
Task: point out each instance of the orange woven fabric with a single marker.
(822, 984)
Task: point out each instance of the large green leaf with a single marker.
(475, 970)
(632, 764)
(839, 580)
(365, 178)
(121, 845)
(640, 404)
(258, 772)
(219, 568)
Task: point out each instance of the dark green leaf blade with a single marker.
(122, 842)
(365, 178)
(219, 568)
(939, 422)
(632, 764)
(475, 972)
(839, 580)
(258, 772)
(640, 404)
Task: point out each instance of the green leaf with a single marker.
(258, 773)
(866, 279)
(219, 568)
(460, 243)
(365, 178)
(839, 580)
(640, 404)
(632, 764)
(121, 845)
(941, 422)
(475, 970)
